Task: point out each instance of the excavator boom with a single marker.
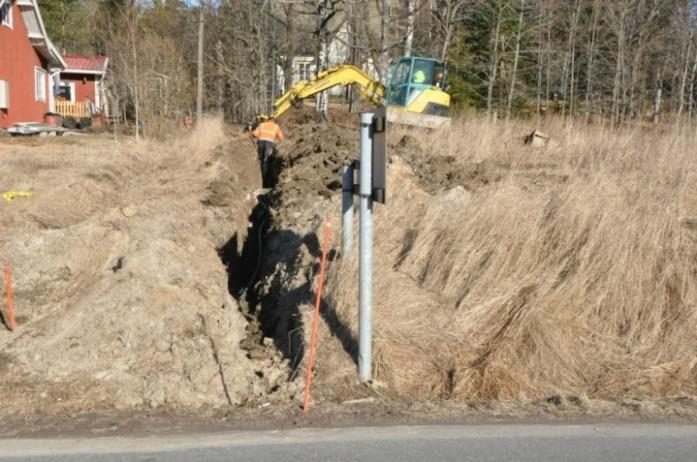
(346, 74)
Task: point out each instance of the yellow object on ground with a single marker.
(12, 195)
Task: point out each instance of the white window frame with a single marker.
(40, 73)
(7, 22)
(4, 94)
(305, 69)
(72, 89)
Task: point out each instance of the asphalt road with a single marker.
(482, 443)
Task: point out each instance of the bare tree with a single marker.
(591, 57)
(134, 47)
(199, 65)
(446, 17)
(516, 56)
(494, 56)
(411, 19)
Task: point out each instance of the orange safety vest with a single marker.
(268, 131)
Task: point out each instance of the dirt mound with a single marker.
(308, 171)
(122, 299)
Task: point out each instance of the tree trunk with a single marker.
(619, 67)
(411, 19)
(572, 51)
(511, 90)
(290, 47)
(691, 93)
(493, 68)
(641, 43)
(383, 57)
(136, 99)
(199, 66)
(591, 61)
(220, 81)
(538, 100)
(321, 98)
(683, 81)
(548, 70)
(657, 101)
(452, 10)
(274, 73)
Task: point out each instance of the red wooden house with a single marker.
(29, 64)
(81, 91)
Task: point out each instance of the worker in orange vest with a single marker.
(267, 133)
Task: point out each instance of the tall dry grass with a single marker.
(571, 269)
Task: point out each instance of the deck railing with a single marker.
(77, 110)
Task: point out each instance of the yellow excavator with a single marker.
(414, 95)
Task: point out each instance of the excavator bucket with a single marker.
(415, 119)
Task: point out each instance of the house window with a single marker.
(66, 91)
(305, 71)
(6, 14)
(40, 84)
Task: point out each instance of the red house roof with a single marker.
(85, 64)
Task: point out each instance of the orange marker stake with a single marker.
(10, 299)
(315, 315)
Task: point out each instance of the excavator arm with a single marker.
(346, 74)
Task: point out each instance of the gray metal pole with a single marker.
(365, 290)
(347, 210)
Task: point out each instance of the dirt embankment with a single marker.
(122, 299)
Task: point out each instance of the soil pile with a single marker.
(122, 298)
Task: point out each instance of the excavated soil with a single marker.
(122, 299)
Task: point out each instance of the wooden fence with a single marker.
(68, 109)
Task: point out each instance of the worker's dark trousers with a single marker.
(264, 151)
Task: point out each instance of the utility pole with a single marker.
(199, 89)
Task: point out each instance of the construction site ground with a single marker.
(159, 288)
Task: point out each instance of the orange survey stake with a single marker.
(12, 323)
(315, 315)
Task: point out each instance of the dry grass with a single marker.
(570, 269)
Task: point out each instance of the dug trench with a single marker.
(272, 276)
(458, 314)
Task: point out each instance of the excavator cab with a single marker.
(415, 94)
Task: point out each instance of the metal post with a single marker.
(347, 210)
(365, 291)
